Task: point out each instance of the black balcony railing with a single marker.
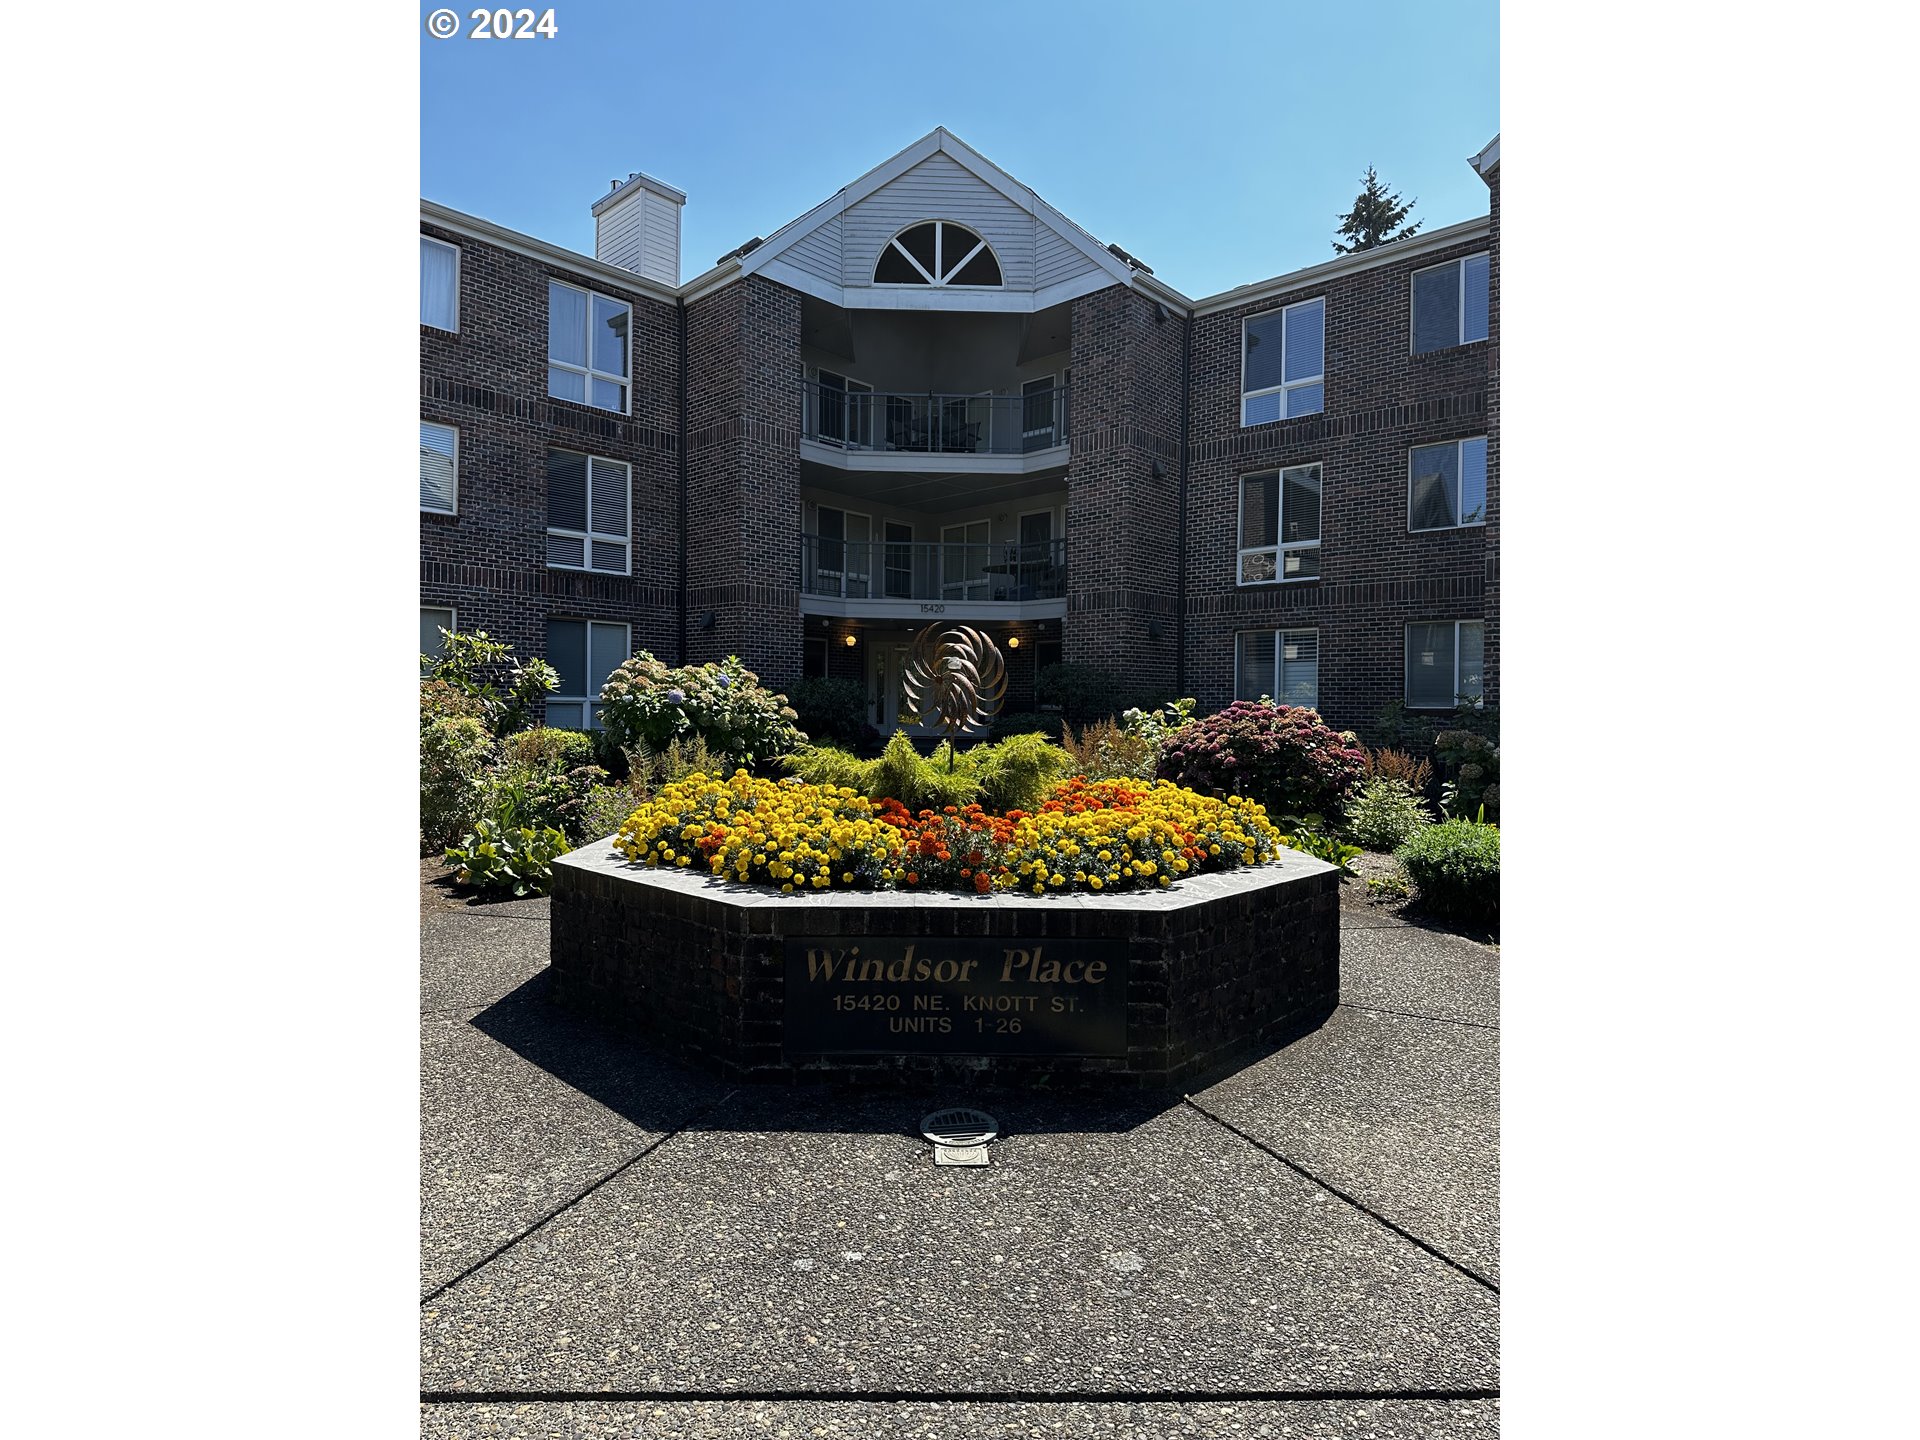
(936, 424)
(933, 570)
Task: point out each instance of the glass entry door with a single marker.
(886, 664)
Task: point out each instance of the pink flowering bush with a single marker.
(1284, 756)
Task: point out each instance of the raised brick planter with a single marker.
(1148, 989)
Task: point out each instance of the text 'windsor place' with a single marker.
(1015, 965)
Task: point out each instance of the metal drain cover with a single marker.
(960, 1137)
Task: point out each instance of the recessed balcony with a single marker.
(847, 426)
(996, 579)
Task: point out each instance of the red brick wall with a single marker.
(1375, 576)
(743, 460)
(1123, 519)
(490, 381)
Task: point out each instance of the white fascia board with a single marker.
(1392, 254)
(718, 278)
(794, 278)
(474, 228)
(1028, 199)
(1488, 160)
(1158, 289)
(798, 229)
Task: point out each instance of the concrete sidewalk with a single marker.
(1309, 1247)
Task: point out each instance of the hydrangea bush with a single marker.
(650, 704)
(1284, 756)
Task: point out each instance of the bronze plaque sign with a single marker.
(865, 995)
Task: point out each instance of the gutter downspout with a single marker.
(1180, 612)
(681, 451)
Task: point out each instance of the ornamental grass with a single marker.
(1089, 836)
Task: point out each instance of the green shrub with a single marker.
(918, 782)
(1329, 848)
(830, 765)
(516, 859)
(440, 700)
(1384, 814)
(1284, 756)
(1131, 747)
(1011, 774)
(1026, 723)
(1455, 865)
(605, 809)
(650, 770)
(1471, 763)
(834, 710)
(511, 693)
(455, 754)
(551, 748)
(647, 703)
(1018, 772)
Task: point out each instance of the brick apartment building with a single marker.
(935, 397)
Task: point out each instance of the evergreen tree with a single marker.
(1375, 214)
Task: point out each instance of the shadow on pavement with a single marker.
(644, 1085)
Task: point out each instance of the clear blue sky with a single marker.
(1216, 141)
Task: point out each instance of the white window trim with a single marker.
(1279, 661)
(424, 510)
(587, 702)
(1406, 654)
(1280, 547)
(589, 535)
(1320, 378)
(1460, 462)
(1460, 303)
(456, 286)
(624, 381)
(939, 257)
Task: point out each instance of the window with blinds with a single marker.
(1444, 661)
(1447, 485)
(439, 284)
(1280, 525)
(1283, 363)
(587, 513)
(1281, 664)
(439, 468)
(587, 347)
(1450, 303)
(584, 653)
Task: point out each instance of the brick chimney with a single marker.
(637, 227)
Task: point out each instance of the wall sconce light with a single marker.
(851, 640)
(1153, 630)
(706, 620)
(1013, 642)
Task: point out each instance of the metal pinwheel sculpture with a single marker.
(954, 678)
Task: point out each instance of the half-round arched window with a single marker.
(936, 252)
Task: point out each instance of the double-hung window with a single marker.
(1450, 304)
(1280, 525)
(585, 653)
(1283, 363)
(1447, 485)
(439, 284)
(1284, 664)
(1444, 660)
(439, 468)
(587, 513)
(587, 347)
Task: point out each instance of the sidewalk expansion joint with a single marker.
(1338, 1193)
(963, 1397)
(568, 1204)
(1417, 1015)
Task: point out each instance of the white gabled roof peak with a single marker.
(937, 141)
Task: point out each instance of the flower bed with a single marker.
(1103, 836)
